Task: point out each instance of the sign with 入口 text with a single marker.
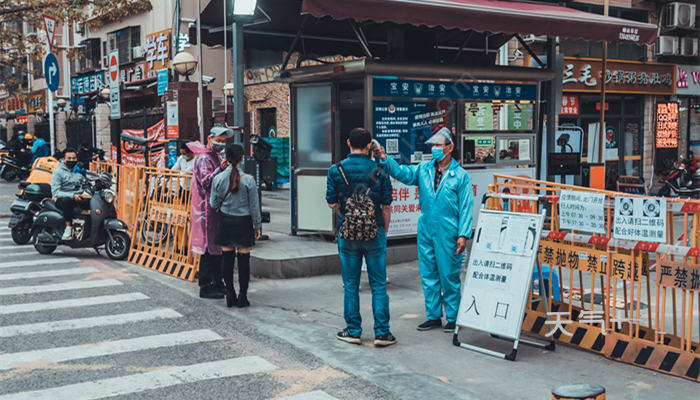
(667, 125)
(585, 75)
(679, 275)
(586, 259)
(501, 261)
(582, 211)
(640, 219)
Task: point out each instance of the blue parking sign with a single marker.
(51, 72)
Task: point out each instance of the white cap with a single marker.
(442, 136)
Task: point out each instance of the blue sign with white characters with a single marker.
(80, 85)
(51, 72)
(395, 87)
(162, 81)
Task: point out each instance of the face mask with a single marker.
(218, 147)
(438, 154)
(70, 164)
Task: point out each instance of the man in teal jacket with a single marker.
(446, 202)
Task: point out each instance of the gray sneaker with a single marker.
(345, 336)
(67, 233)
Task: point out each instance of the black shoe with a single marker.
(221, 289)
(384, 340)
(449, 327)
(242, 301)
(231, 298)
(210, 292)
(430, 324)
(345, 336)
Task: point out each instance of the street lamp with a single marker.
(244, 7)
(185, 64)
(104, 94)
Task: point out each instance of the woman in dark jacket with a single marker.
(235, 195)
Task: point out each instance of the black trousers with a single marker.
(210, 270)
(68, 204)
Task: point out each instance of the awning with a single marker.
(508, 17)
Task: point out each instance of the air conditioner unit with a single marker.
(667, 46)
(679, 15)
(689, 47)
(105, 62)
(137, 52)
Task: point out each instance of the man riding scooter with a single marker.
(66, 188)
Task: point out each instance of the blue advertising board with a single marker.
(394, 87)
(83, 84)
(162, 81)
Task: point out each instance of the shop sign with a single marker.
(640, 219)
(393, 87)
(479, 117)
(36, 102)
(584, 75)
(81, 85)
(569, 104)
(157, 52)
(667, 125)
(688, 80)
(519, 117)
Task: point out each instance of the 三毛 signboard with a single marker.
(667, 125)
(582, 211)
(498, 277)
(115, 111)
(640, 219)
(585, 75)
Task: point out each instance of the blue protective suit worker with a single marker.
(446, 202)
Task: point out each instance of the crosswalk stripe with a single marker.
(29, 250)
(57, 287)
(121, 386)
(37, 263)
(70, 303)
(69, 353)
(47, 274)
(91, 322)
(315, 395)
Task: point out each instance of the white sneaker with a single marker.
(67, 233)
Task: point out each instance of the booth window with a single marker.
(314, 144)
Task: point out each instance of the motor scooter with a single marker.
(680, 182)
(14, 167)
(27, 203)
(93, 227)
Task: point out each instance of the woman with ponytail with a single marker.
(235, 195)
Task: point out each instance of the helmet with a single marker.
(28, 136)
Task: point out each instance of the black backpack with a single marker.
(359, 219)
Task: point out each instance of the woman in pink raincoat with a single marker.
(208, 163)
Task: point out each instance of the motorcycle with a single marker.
(23, 208)
(14, 166)
(680, 182)
(93, 227)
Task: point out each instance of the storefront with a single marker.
(688, 92)
(631, 88)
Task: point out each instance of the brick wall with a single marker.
(269, 95)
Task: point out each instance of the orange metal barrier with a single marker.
(631, 301)
(155, 204)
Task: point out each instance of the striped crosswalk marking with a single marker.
(27, 251)
(91, 322)
(315, 395)
(71, 303)
(39, 263)
(57, 287)
(14, 246)
(47, 274)
(129, 384)
(69, 353)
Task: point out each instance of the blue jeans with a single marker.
(351, 253)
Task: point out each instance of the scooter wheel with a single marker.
(22, 233)
(117, 248)
(42, 248)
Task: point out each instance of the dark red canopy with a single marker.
(494, 16)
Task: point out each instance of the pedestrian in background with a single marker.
(446, 203)
(208, 163)
(184, 163)
(235, 195)
(361, 193)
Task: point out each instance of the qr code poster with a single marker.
(640, 219)
(392, 146)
